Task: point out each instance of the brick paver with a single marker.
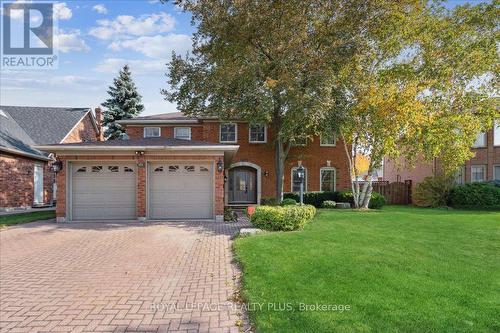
(119, 277)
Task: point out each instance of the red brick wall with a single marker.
(141, 179)
(84, 131)
(16, 181)
(313, 156)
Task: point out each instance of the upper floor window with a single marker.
(480, 140)
(182, 133)
(327, 179)
(478, 173)
(228, 132)
(328, 140)
(296, 181)
(151, 132)
(496, 133)
(257, 133)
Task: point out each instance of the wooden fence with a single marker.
(397, 193)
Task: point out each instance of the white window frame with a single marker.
(495, 176)
(329, 144)
(484, 172)
(250, 133)
(291, 179)
(235, 132)
(459, 177)
(154, 136)
(334, 178)
(496, 134)
(485, 136)
(177, 128)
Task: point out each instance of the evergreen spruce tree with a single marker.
(124, 103)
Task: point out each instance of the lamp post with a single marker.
(301, 175)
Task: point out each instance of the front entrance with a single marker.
(242, 183)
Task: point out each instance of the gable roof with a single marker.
(46, 125)
(23, 127)
(14, 139)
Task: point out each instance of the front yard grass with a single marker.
(401, 269)
(25, 217)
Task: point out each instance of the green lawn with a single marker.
(400, 269)
(25, 217)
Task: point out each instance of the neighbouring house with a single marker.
(25, 176)
(176, 167)
(484, 166)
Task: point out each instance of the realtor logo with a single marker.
(27, 34)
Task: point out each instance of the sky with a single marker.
(95, 39)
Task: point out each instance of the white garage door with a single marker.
(103, 191)
(181, 190)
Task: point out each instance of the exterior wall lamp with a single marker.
(220, 166)
(57, 166)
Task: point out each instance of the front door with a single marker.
(242, 186)
(38, 184)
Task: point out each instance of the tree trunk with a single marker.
(279, 166)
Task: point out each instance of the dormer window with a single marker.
(151, 132)
(183, 133)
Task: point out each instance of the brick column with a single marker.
(61, 193)
(141, 188)
(219, 192)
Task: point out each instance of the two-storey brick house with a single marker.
(25, 176)
(484, 166)
(177, 167)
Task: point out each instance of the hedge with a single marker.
(480, 195)
(315, 198)
(377, 200)
(282, 218)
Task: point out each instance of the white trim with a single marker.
(71, 130)
(496, 132)
(175, 134)
(334, 178)
(147, 127)
(291, 179)
(235, 132)
(19, 152)
(156, 121)
(328, 144)
(485, 172)
(265, 133)
(258, 170)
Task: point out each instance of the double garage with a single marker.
(107, 190)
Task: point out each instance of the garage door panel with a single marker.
(181, 190)
(103, 191)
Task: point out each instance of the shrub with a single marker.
(377, 200)
(230, 215)
(482, 195)
(433, 191)
(288, 202)
(269, 202)
(314, 198)
(328, 204)
(285, 218)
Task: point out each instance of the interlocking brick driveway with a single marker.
(90, 277)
